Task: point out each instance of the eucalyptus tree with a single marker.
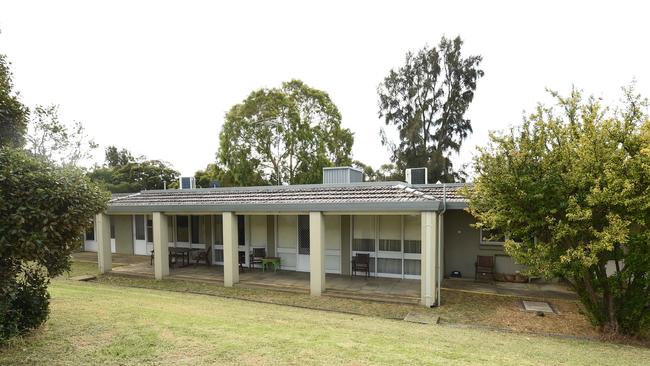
(49, 138)
(283, 135)
(426, 100)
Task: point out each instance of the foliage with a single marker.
(283, 135)
(426, 99)
(574, 188)
(386, 172)
(122, 173)
(213, 173)
(24, 304)
(13, 114)
(116, 158)
(52, 140)
(44, 210)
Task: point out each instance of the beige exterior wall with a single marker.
(462, 246)
(123, 234)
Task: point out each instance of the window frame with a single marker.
(492, 243)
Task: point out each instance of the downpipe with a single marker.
(441, 218)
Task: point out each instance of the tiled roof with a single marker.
(393, 193)
(452, 191)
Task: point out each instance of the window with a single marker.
(182, 229)
(218, 230)
(90, 232)
(390, 232)
(412, 235)
(149, 230)
(412, 267)
(112, 228)
(241, 230)
(413, 246)
(195, 229)
(139, 227)
(303, 234)
(363, 234)
(492, 237)
(389, 265)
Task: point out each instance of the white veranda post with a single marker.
(428, 275)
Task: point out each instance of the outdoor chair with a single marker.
(202, 255)
(176, 254)
(242, 261)
(256, 257)
(484, 268)
(361, 263)
(171, 256)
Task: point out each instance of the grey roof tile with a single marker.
(362, 193)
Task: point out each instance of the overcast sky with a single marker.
(158, 77)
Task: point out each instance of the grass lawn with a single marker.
(459, 307)
(97, 323)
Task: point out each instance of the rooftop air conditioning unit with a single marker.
(187, 183)
(416, 176)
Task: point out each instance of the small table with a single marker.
(275, 261)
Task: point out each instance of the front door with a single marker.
(302, 263)
(140, 236)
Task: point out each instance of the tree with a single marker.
(115, 158)
(571, 186)
(13, 114)
(45, 209)
(426, 99)
(213, 173)
(386, 172)
(52, 140)
(124, 174)
(283, 135)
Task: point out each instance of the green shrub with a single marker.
(24, 301)
(44, 210)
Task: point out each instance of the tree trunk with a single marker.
(611, 326)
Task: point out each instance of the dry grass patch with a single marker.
(458, 307)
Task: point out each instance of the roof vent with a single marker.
(187, 183)
(416, 176)
(342, 175)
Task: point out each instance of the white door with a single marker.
(302, 263)
(243, 238)
(217, 239)
(90, 244)
(149, 234)
(139, 236)
(112, 222)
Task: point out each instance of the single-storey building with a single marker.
(410, 231)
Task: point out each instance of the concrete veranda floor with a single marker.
(373, 288)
